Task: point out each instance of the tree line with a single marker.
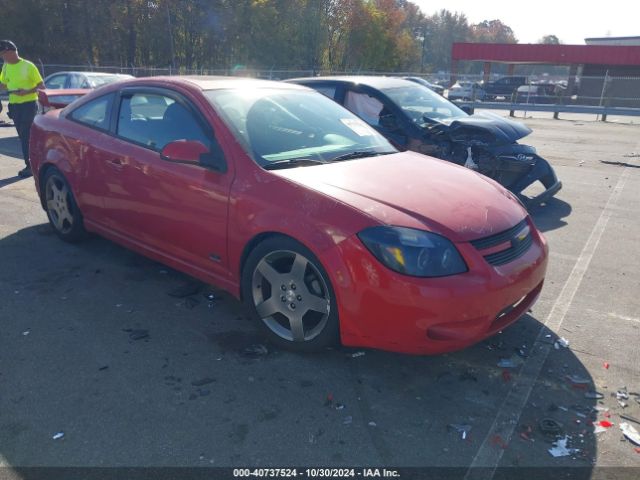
(337, 35)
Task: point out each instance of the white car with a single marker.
(466, 91)
(61, 80)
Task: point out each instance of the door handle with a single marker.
(116, 163)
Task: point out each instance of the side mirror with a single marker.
(389, 122)
(193, 152)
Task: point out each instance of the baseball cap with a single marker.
(7, 45)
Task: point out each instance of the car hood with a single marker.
(412, 190)
(489, 126)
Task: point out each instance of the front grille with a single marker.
(516, 248)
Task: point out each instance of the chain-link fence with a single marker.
(604, 91)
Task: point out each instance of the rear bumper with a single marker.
(382, 309)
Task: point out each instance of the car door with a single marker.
(177, 210)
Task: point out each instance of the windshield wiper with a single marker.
(292, 162)
(358, 154)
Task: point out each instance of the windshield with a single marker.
(422, 105)
(278, 125)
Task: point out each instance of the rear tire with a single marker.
(289, 293)
(63, 212)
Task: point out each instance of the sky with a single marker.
(570, 21)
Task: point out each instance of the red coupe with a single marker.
(294, 205)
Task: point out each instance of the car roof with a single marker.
(368, 80)
(95, 74)
(213, 82)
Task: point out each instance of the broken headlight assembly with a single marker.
(413, 252)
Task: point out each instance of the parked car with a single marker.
(546, 93)
(503, 88)
(62, 80)
(412, 117)
(295, 205)
(53, 99)
(439, 89)
(465, 91)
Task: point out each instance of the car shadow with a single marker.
(8, 181)
(10, 146)
(551, 214)
(111, 359)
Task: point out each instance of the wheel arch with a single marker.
(252, 244)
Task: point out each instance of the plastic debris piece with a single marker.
(372, 424)
(605, 424)
(139, 334)
(357, 354)
(26, 332)
(522, 352)
(203, 381)
(560, 448)
(507, 363)
(461, 428)
(606, 365)
(622, 394)
(599, 429)
(255, 350)
(561, 342)
(577, 379)
(348, 420)
(58, 435)
(630, 432)
(622, 404)
(593, 395)
(339, 406)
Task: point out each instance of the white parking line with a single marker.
(489, 454)
(614, 315)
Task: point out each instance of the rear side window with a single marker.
(57, 81)
(327, 91)
(154, 120)
(95, 113)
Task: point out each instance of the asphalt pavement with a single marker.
(108, 359)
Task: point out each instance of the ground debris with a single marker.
(186, 290)
(256, 350)
(203, 381)
(462, 428)
(630, 433)
(560, 449)
(137, 334)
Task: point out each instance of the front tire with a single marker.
(288, 291)
(63, 212)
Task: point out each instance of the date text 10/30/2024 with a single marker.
(315, 473)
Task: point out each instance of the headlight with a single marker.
(413, 252)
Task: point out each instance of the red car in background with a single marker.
(293, 204)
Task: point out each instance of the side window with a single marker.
(364, 106)
(95, 113)
(326, 91)
(55, 82)
(75, 81)
(155, 120)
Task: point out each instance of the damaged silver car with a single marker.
(414, 118)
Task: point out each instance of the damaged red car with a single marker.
(294, 205)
